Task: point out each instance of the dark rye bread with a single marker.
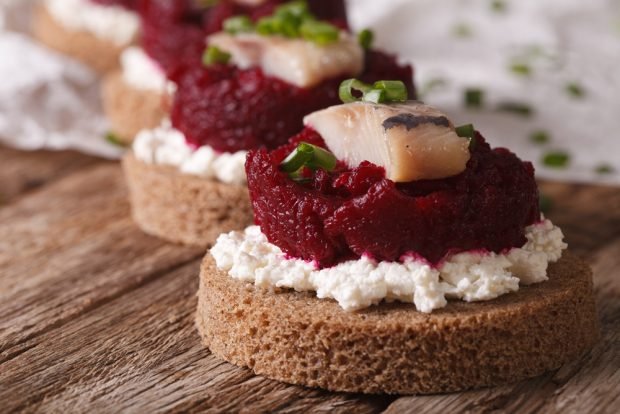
(130, 110)
(183, 208)
(392, 348)
(99, 54)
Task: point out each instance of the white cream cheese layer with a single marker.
(142, 72)
(113, 23)
(357, 284)
(166, 145)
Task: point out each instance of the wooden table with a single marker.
(97, 317)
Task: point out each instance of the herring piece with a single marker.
(412, 141)
(296, 61)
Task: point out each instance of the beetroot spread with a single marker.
(231, 109)
(175, 31)
(349, 212)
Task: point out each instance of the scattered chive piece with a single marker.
(462, 30)
(114, 139)
(379, 92)
(395, 91)
(557, 159)
(321, 33)
(474, 98)
(545, 203)
(238, 24)
(540, 137)
(518, 108)
(214, 55)
(604, 169)
(467, 131)
(498, 6)
(521, 69)
(298, 9)
(307, 155)
(575, 90)
(366, 38)
(347, 87)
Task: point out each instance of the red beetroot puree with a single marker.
(232, 109)
(350, 212)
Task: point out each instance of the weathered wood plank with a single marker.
(141, 353)
(24, 171)
(69, 248)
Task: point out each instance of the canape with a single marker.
(393, 252)
(94, 32)
(252, 89)
(135, 96)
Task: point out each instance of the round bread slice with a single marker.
(183, 208)
(391, 348)
(99, 54)
(128, 109)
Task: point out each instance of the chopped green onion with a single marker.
(604, 169)
(545, 203)
(557, 159)
(465, 131)
(498, 6)
(462, 30)
(540, 137)
(521, 69)
(308, 155)
(366, 38)
(238, 24)
(298, 9)
(297, 159)
(575, 90)
(474, 98)
(347, 87)
(114, 139)
(214, 55)
(517, 108)
(375, 96)
(321, 33)
(395, 91)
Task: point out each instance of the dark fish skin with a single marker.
(411, 121)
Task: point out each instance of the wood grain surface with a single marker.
(97, 317)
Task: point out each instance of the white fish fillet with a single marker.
(296, 61)
(412, 141)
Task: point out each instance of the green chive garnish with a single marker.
(379, 92)
(498, 6)
(298, 9)
(540, 137)
(575, 90)
(308, 155)
(462, 30)
(366, 38)
(556, 159)
(467, 131)
(604, 169)
(517, 108)
(521, 69)
(474, 98)
(214, 55)
(321, 33)
(545, 204)
(114, 139)
(238, 24)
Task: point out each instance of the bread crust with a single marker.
(128, 109)
(99, 54)
(391, 348)
(183, 208)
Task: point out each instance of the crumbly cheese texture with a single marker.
(142, 72)
(113, 23)
(357, 284)
(166, 145)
